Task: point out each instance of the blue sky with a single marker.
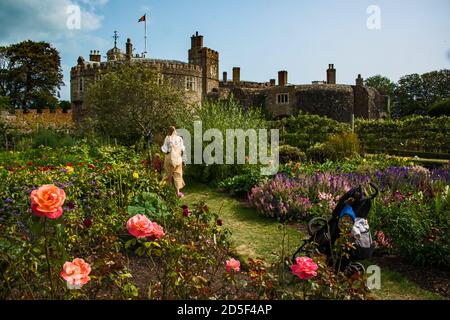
(260, 36)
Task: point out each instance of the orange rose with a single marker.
(47, 201)
(76, 273)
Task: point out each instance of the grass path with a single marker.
(252, 235)
(256, 236)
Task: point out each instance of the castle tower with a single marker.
(208, 59)
(331, 74)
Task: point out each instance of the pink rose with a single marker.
(158, 231)
(233, 265)
(141, 227)
(76, 273)
(305, 268)
(47, 201)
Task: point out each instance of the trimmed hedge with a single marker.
(419, 135)
(423, 136)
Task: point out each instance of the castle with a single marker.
(199, 80)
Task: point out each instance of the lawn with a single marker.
(256, 236)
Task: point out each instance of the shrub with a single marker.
(337, 147)
(289, 153)
(243, 183)
(304, 130)
(418, 229)
(440, 108)
(51, 139)
(221, 115)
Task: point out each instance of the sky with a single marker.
(368, 37)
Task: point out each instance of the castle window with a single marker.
(190, 84)
(80, 84)
(282, 98)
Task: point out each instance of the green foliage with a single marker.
(5, 104)
(65, 105)
(128, 103)
(221, 115)
(149, 203)
(415, 93)
(289, 153)
(337, 147)
(51, 139)
(418, 228)
(412, 134)
(30, 74)
(383, 84)
(303, 131)
(440, 108)
(241, 184)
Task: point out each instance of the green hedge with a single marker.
(304, 131)
(424, 136)
(419, 135)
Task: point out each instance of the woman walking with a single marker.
(173, 148)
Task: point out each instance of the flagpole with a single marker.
(145, 37)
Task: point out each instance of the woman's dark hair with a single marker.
(171, 130)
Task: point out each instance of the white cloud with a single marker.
(46, 20)
(25, 19)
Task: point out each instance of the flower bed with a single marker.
(412, 209)
(77, 230)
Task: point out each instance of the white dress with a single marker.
(174, 146)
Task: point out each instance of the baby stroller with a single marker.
(324, 232)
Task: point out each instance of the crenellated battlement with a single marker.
(93, 67)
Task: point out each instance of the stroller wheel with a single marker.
(315, 224)
(356, 267)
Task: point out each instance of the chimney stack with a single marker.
(359, 81)
(236, 74)
(95, 56)
(282, 78)
(196, 41)
(272, 82)
(129, 49)
(225, 77)
(331, 74)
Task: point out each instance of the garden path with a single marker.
(254, 236)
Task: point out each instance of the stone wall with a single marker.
(173, 72)
(334, 101)
(33, 120)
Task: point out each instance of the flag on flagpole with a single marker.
(142, 18)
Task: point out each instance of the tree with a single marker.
(30, 73)
(383, 84)
(128, 103)
(414, 93)
(65, 105)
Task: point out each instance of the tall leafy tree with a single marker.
(415, 93)
(30, 74)
(128, 103)
(383, 84)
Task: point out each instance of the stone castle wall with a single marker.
(334, 101)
